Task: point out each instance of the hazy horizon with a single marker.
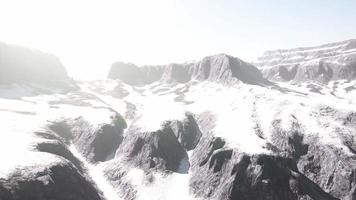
(88, 36)
(229, 100)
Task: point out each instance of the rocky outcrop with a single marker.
(97, 142)
(117, 174)
(55, 172)
(325, 169)
(222, 173)
(56, 180)
(158, 150)
(186, 131)
(56, 146)
(218, 68)
(23, 65)
(219, 172)
(330, 168)
(323, 63)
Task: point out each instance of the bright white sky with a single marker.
(89, 35)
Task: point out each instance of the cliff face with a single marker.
(209, 138)
(218, 68)
(323, 63)
(19, 65)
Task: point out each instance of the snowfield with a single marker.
(213, 129)
(245, 116)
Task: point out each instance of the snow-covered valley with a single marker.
(214, 129)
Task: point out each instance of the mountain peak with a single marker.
(221, 68)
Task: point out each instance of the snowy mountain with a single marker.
(335, 61)
(211, 129)
(217, 68)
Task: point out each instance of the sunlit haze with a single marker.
(177, 99)
(88, 36)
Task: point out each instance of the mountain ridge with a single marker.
(213, 129)
(221, 68)
(322, 63)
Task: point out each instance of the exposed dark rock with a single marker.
(350, 119)
(222, 173)
(149, 151)
(98, 142)
(58, 148)
(330, 168)
(289, 142)
(159, 150)
(116, 174)
(61, 128)
(206, 149)
(288, 74)
(55, 181)
(187, 131)
(325, 171)
(246, 72)
(226, 69)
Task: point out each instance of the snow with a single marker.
(238, 110)
(16, 142)
(174, 186)
(96, 172)
(22, 116)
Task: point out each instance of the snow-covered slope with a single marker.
(250, 120)
(36, 161)
(323, 63)
(214, 129)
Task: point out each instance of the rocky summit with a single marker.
(283, 128)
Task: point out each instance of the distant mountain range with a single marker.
(334, 61)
